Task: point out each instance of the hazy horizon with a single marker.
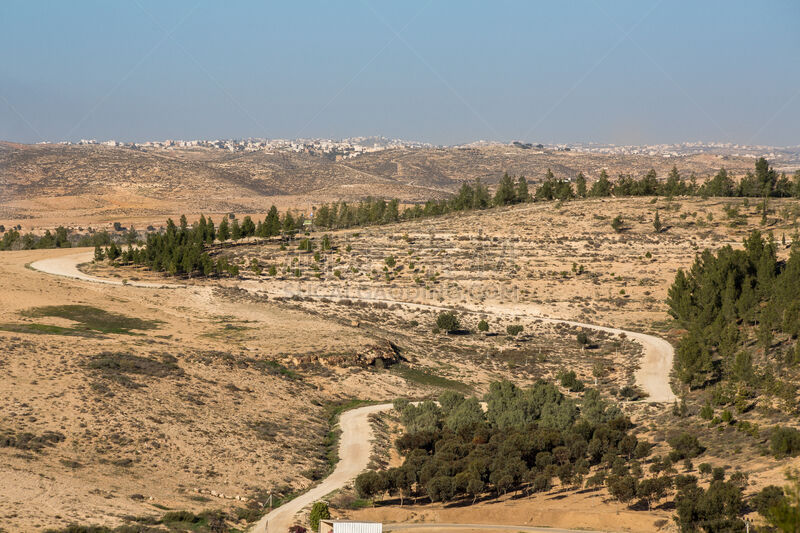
(624, 73)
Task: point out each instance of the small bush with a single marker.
(483, 326)
(582, 339)
(447, 321)
(784, 442)
(319, 511)
(685, 446)
(514, 329)
(569, 380)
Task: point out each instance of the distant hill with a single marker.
(96, 178)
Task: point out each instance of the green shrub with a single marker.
(569, 380)
(784, 442)
(684, 446)
(447, 321)
(319, 511)
(514, 329)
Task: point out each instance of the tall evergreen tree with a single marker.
(224, 232)
(580, 185)
(601, 187)
(522, 194)
(505, 193)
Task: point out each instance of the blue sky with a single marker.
(444, 72)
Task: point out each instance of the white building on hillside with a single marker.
(347, 526)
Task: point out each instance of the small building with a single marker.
(348, 526)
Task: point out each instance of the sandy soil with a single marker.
(652, 377)
(356, 437)
(507, 266)
(186, 440)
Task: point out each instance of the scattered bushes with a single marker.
(29, 441)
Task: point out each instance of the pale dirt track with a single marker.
(355, 443)
(480, 527)
(355, 446)
(652, 375)
(67, 265)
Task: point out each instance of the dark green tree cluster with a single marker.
(373, 211)
(367, 212)
(553, 189)
(525, 440)
(730, 297)
(179, 250)
(14, 240)
(766, 182)
(511, 192)
(717, 509)
(183, 249)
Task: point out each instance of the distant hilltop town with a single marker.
(340, 149)
(354, 146)
(786, 155)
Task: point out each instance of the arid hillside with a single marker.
(124, 403)
(93, 181)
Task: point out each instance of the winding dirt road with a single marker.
(482, 527)
(355, 446)
(67, 266)
(356, 439)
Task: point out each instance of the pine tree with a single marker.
(480, 198)
(522, 194)
(288, 222)
(580, 185)
(248, 228)
(224, 231)
(601, 187)
(505, 193)
(236, 231)
(657, 223)
(272, 223)
(210, 234)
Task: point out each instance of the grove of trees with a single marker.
(736, 305)
(184, 250)
(525, 440)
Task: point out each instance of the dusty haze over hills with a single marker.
(77, 181)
